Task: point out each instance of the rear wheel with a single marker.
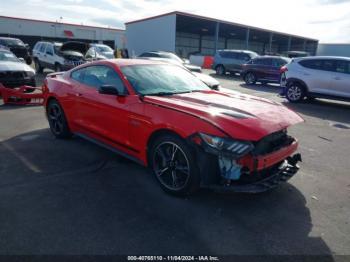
(220, 70)
(250, 78)
(57, 120)
(295, 92)
(174, 165)
(38, 67)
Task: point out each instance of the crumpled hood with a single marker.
(75, 46)
(14, 66)
(239, 115)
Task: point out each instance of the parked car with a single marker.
(208, 80)
(231, 60)
(100, 51)
(312, 77)
(16, 46)
(263, 69)
(163, 117)
(294, 54)
(13, 71)
(173, 57)
(58, 56)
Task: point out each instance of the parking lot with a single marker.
(73, 197)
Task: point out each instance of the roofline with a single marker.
(62, 23)
(217, 20)
(334, 44)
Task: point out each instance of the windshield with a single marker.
(162, 79)
(11, 42)
(8, 56)
(104, 48)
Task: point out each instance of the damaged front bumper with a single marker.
(276, 175)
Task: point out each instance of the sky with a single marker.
(326, 20)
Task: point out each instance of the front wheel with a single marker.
(57, 120)
(250, 78)
(173, 163)
(220, 70)
(295, 93)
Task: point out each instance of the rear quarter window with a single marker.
(312, 64)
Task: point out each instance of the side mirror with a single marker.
(109, 90)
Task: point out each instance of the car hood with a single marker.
(108, 55)
(238, 115)
(14, 66)
(192, 67)
(75, 46)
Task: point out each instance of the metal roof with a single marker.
(61, 23)
(216, 20)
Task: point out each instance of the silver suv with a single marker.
(319, 76)
(231, 60)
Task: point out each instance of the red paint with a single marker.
(68, 33)
(208, 62)
(128, 122)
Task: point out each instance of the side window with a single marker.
(78, 75)
(329, 65)
(342, 66)
(263, 61)
(49, 49)
(312, 64)
(37, 46)
(96, 76)
(278, 62)
(42, 48)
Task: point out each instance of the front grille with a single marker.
(76, 63)
(272, 142)
(15, 78)
(12, 74)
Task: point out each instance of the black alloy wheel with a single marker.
(174, 166)
(57, 120)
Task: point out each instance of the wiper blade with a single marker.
(160, 94)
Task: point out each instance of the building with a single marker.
(30, 31)
(333, 49)
(186, 33)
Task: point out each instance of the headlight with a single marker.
(226, 146)
(30, 73)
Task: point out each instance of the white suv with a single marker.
(311, 77)
(58, 56)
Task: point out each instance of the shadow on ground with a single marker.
(324, 109)
(72, 197)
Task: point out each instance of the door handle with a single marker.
(337, 78)
(78, 94)
(306, 74)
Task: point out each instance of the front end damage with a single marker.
(229, 165)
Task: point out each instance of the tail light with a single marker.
(283, 69)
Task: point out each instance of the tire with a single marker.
(295, 92)
(58, 67)
(28, 60)
(220, 70)
(38, 67)
(174, 166)
(57, 120)
(250, 78)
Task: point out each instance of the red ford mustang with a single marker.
(162, 116)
